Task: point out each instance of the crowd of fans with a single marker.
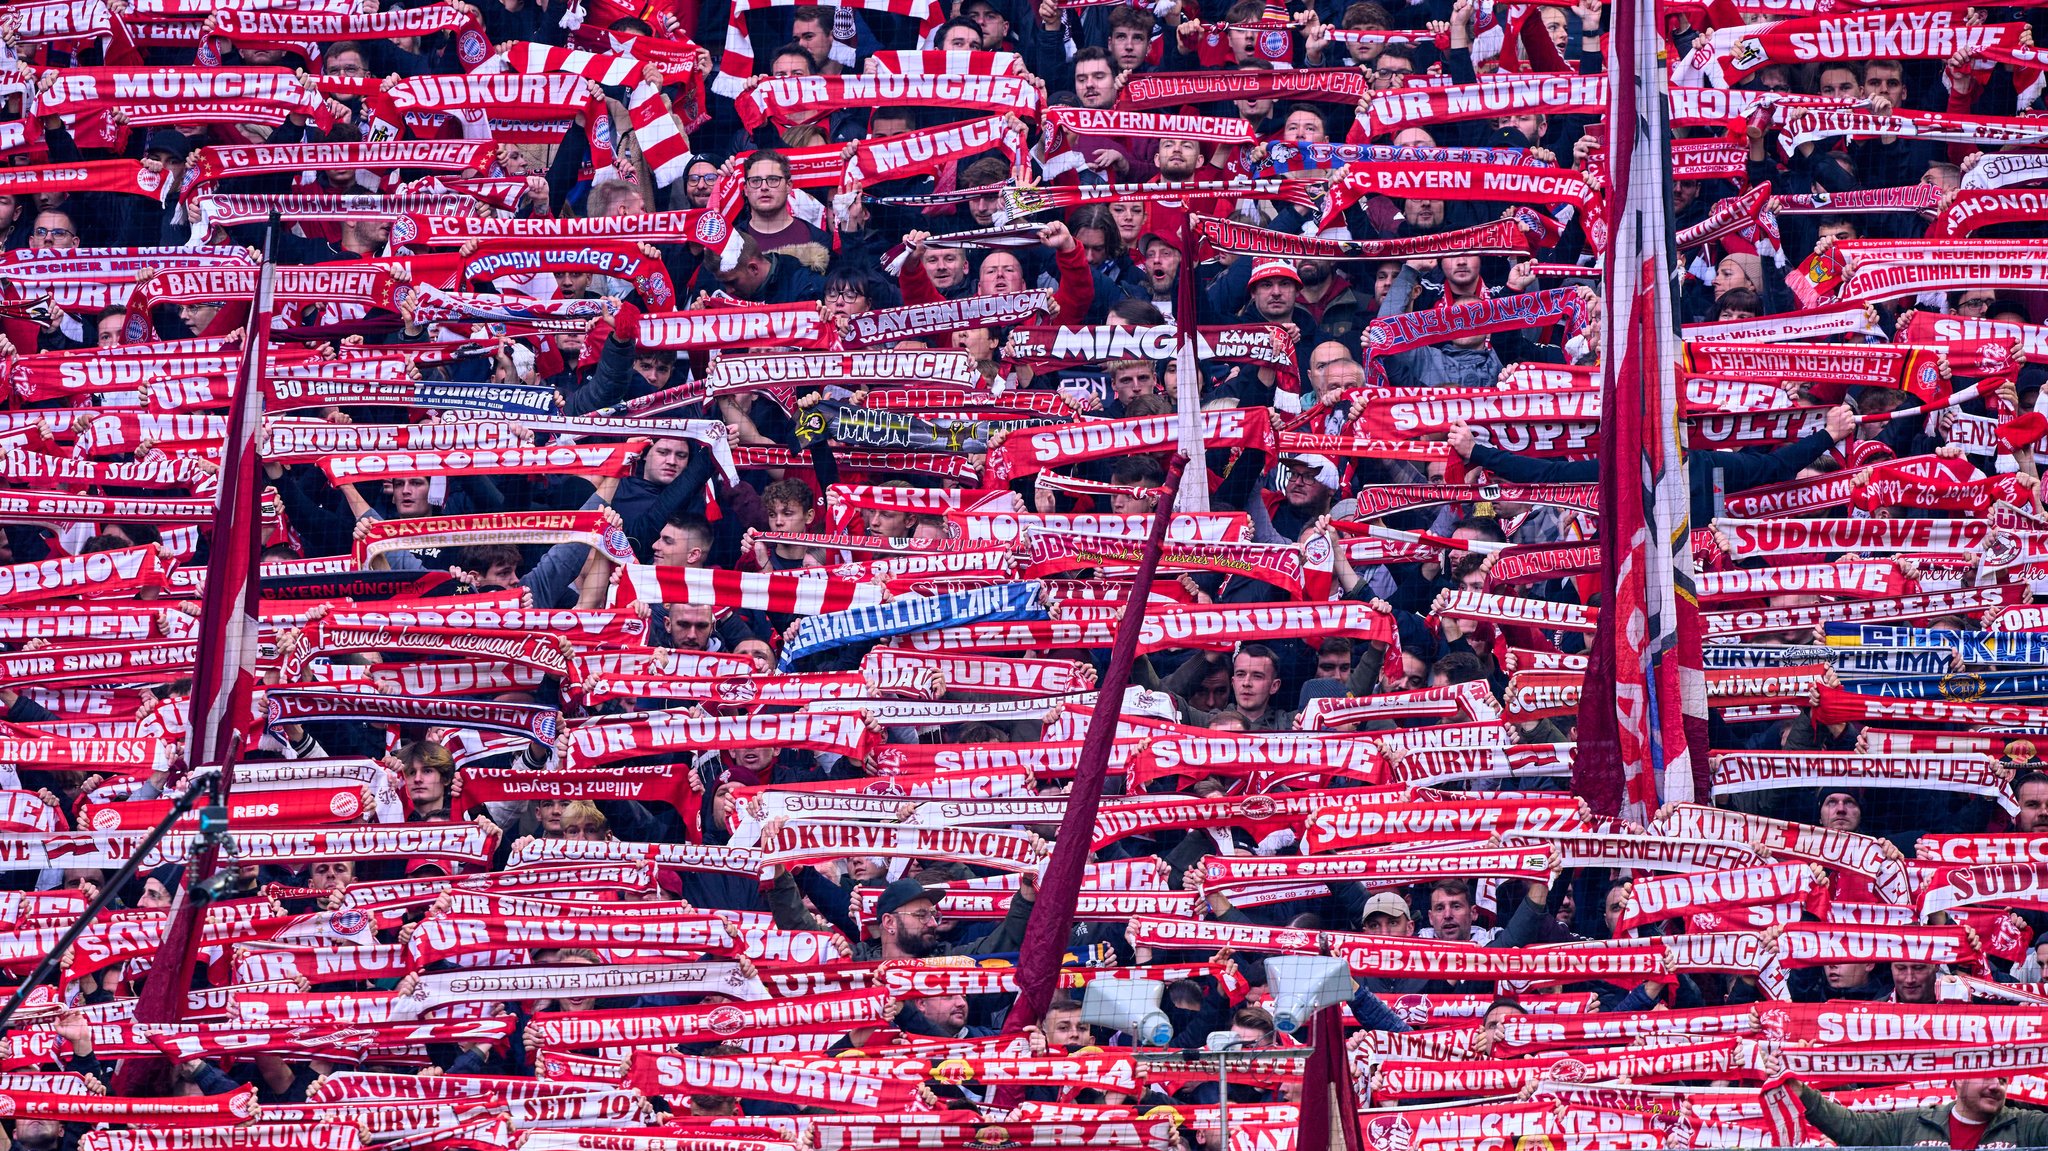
(564, 613)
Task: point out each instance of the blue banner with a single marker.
(912, 613)
(1847, 661)
(1961, 687)
(1975, 646)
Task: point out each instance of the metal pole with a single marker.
(1223, 1101)
(47, 966)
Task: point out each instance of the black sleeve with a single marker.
(607, 385)
(1522, 470)
(1742, 470)
(677, 496)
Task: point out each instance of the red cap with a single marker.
(1267, 269)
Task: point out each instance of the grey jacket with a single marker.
(1442, 365)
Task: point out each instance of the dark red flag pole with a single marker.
(1052, 916)
(224, 676)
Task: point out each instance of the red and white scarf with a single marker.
(1387, 870)
(1023, 454)
(1344, 830)
(1389, 956)
(1480, 182)
(554, 459)
(1341, 755)
(683, 1076)
(588, 528)
(606, 739)
(1173, 89)
(1766, 771)
(122, 572)
(1287, 566)
(1552, 94)
(528, 649)
(1514, 236)
(1788, 537)
(303, 32)
(212, 164)
(772, 325)
(907, 154)
(813, 842)
(1858, 853)
(1672, 896)
(148, 94)
(791, 593)
(738, 61)
(883, 325)
(832, 1014)
(1838, 1064)
(695, 226)
(193, 1111)
(790, 99)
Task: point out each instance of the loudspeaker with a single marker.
(1305, 984)
(1130, 1006)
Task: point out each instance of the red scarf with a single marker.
(785, 99)
(125, 176)
(1346, 830)
(809, 592)
(1025, 453)
(1172, 89)
(588, 528)
(881, 159)
(1671, 896)
(682, 1076)
(1785, 537)
(1499, 95)
(193, 1111)
(826, 1014)
(698, 226)
(812, 842)
(1377, 871)
(213, 164)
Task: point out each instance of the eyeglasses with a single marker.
(1391, 72)
(845, 294)
(928, 915)
(53, 233)
(758, 182)
(704, 178)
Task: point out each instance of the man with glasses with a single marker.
(701, 177)
(53, 229)
(771, 222)
(908, 923)
(1975, 303)
(1396, 63)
